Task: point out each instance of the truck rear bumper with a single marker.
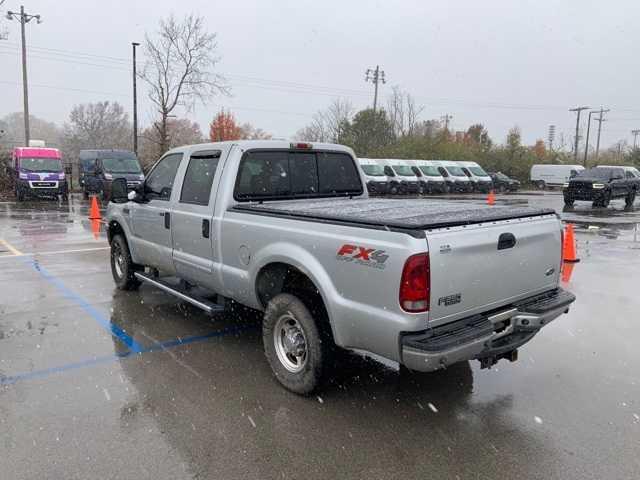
(486, 337)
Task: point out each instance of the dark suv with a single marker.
(503, 183)
(600, 185)
(99, 167)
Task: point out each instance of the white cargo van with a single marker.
(481, 180)
(546, 175)
(454, 177)
(430, 175)
(377, 181)
(401, 173)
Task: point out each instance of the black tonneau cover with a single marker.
(393, 214)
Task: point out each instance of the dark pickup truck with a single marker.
(600, 185)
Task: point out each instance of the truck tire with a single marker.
(19, 195)
(122, 266)
(541, 185)
(602, 202)
(630, 198)
(569, 201)
(294, 343)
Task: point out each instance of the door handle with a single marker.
(167, 220)
(206, 227)
(506, 240)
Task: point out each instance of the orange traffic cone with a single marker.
(567, 270)
(95, 228)
(569, 246)
(94, 211)
(491, 198)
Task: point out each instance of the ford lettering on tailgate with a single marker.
(369, 257)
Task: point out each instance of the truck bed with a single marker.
(393, 214)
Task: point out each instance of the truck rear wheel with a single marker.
(541, 185)
(122, 266)
(569, 200)
(294, 344)
(630, 198)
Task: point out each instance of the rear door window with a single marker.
(337, 173)
(198, 179)
(285, 174)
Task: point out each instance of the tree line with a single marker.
(180, 70)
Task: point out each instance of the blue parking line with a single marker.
(104, 322)
(70, 366)
(9, 380)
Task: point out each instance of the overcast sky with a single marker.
(500, 63)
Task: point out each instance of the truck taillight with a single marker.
(300, 146)
(415, 284)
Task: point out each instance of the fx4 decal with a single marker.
(369, 257)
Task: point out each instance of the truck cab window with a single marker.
(286, 174)
(160, 181)
(198, 179)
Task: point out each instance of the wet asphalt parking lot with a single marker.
(99, 383)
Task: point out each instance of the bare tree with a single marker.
(97, 125)
(179, 68)
(328, 125)
(403, 112)
(180, 131)
(249, 132)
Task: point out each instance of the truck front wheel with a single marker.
(122, 266)
(294, 344)
(630, 198)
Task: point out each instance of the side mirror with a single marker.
(119, 192)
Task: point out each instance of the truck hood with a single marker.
(127, 176)
(583, 180)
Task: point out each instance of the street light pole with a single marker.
(24, 18)
(135, 102)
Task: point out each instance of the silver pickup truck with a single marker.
(288, 229)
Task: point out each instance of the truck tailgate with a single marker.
(483, 267)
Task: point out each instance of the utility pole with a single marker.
(635, 138)
(135, 102)
(24, 18)
(586, 146)
(446, 119)
(551, 136)
(600, 119)
(375, 76)
(577, 110)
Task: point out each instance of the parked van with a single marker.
(401, 175)
(547, 175)
(99, 167)
(38, 172)
(377, 181)
(430, 175)
(481, 180)
(455, 178)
